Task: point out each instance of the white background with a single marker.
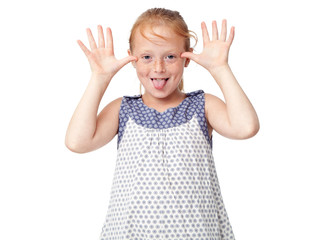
(270, 183)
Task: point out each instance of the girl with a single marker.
(165, 185)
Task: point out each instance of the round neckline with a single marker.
(168, 109)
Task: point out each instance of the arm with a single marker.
(87, 131)
(235, 118)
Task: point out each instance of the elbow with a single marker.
(74, 146)
(249, 131)
(246, 132)
(253, 131)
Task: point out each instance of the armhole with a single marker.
(201, 116)
(123, 118)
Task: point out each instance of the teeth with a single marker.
(159, 79)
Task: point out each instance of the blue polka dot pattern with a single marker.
(134, 108)
(165, 184)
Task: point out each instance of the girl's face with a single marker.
(159, 66)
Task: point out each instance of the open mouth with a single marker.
(159, 79)
(159, 83)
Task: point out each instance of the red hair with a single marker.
(160, 16)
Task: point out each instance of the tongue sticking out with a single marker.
(159, 83)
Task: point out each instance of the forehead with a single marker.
(161, 36)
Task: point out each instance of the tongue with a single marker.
(159, 84)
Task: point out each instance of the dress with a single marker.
(165, 184)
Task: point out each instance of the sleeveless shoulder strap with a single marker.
(127, 104)
(198, 100)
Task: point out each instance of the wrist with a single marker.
(101, 77)
(101, 80)
(215, 71)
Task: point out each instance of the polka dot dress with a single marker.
(165, 184)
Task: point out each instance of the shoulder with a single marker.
(116, 103)
(112, 108)
(200, 94)
(126, 99)
(121, 102)
(212, 102)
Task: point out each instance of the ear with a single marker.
(188, 59)
(133, 62)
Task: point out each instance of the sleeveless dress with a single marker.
(165, 184)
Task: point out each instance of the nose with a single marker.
(159, 66)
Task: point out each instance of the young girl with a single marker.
(165, 184)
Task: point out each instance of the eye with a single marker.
(170, 57)
(146, 57)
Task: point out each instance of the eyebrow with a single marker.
(143, 51)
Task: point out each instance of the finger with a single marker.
(92, 42)
(109, 40)
(192, 56)
(214, 30)
(126, 60)
(101, 37)
(231, 36)
(223, 34)
(84, 48)
(205, 35)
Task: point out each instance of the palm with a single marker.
(101, 61)
(215, 52)
(101, 58)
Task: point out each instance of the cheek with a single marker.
(139, 65)
(142, 69)
(177, 67)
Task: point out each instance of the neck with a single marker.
(172, 100)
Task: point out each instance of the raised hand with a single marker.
(101, 58)
(215, 52)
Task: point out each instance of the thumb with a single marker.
(192, 56)
(126, 60)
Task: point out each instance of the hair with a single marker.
(161, 16)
